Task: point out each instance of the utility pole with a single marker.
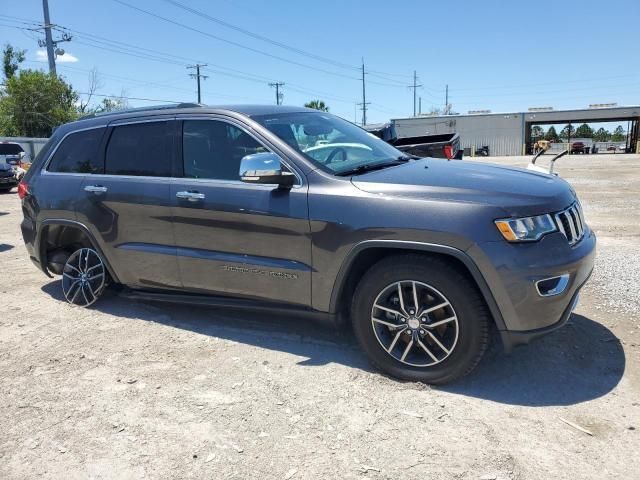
(415, 87)
(279, 95)
(446, 96)
(49, 42)
(197, 76)
(364, 98)
(419, 105)
(49, 38)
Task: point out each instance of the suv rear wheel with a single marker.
(84, 277)
(420, 319)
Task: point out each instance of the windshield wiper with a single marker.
(369, 167)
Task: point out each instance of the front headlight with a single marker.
(527, 229)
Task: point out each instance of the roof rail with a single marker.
(143, 109)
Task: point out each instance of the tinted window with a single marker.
(213, 149)
(10, 149)
(78, 153)
(139, 149)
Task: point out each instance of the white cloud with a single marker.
(41, 56)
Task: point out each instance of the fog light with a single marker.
(551, 286)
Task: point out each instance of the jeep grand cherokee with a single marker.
(238, 207)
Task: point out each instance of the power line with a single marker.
(261, 37)
(230, 42)
(96, 41)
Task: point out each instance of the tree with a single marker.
(584, 131)
(602, 135)
(94, 84)
(537, 131)
(110, 104)
(567, 131)
(317, 105)
(618, 134)
(34, 102)
(552, 135)
(11, 60)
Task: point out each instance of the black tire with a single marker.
(465, 301)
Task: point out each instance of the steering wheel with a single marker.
(335, 152)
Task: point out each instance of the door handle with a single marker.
(95, 189)
(191, 196)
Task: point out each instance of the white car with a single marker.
(332, 152)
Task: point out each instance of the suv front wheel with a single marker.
(421, 319)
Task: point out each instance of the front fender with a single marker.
(400, 245)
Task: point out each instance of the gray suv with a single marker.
(290, 209)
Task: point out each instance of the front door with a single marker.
(234, 238)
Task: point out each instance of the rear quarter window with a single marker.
(79, 153)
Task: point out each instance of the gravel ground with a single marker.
(129, 390)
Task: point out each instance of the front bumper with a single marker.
(512, 271)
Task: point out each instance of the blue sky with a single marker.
(501, 56)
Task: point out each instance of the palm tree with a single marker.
(317, 105)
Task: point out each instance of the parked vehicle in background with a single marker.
(12, 152)
(482, 151)
(578, 147)
(444, 145)
(617, 148)
(12, 159)
(292, 209)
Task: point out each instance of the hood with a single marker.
(517, 191)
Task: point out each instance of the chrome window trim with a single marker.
(182, 117)
(249, 131)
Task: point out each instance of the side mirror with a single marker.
(265, 168)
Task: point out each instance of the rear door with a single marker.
(235, 238)
(127, 204)
(77, 155)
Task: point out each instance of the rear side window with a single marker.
(141, 149)
(78, 153)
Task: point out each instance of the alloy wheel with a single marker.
(415, 323)
(83, 277)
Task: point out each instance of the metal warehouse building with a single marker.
(510, 133)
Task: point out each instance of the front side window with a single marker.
(79, 153)
(140, 149)
(213, 149)
(329, 141)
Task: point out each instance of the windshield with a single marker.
(329, 141)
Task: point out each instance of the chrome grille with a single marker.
(571, 223)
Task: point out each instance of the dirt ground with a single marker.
(135, 390)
